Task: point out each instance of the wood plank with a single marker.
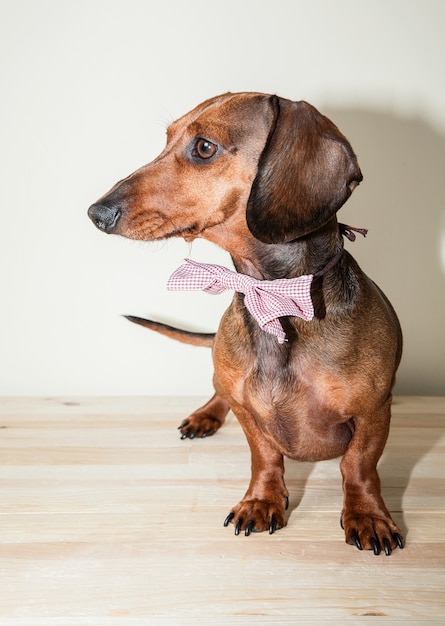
(107, 517)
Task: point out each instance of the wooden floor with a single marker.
(108, 518)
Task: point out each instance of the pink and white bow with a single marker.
(266, 300)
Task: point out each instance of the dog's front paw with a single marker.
(257, 515)
(368, 533)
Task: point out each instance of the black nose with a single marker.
(104, 217)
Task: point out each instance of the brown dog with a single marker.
(263, 177)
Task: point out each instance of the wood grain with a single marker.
(108, 518)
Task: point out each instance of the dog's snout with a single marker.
(104, 217)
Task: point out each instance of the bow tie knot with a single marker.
(266, 300)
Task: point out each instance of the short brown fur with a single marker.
(269, 196)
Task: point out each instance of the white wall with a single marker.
(87, 89)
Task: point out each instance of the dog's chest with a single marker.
(254, 368)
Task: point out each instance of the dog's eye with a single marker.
(204, 149)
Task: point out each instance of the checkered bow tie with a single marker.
(266, 300)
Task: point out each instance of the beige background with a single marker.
(87, 91)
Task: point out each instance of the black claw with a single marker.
(189, 434)
(206, 433)
(387, 547)
(238, 526)
(250, 526)
(184, 424)
(356, 540)
(229, 518)
(273, 525)
(375, 545)
(287, 502)
(341, 522)
(399, 540)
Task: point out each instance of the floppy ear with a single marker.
(306, 171)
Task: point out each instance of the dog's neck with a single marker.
(306, 255)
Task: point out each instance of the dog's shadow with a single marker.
(296, 478)
(402, 457)
(401, 203)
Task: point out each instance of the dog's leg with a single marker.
(264, 504)
(206, 420)
(365, 518)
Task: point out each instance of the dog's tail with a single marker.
(185, 336)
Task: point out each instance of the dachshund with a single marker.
(263, 177)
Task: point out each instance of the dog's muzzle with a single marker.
(104, 217)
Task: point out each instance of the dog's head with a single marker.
(281, 165)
